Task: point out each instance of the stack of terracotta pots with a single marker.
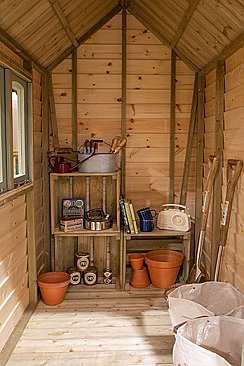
(139, 277)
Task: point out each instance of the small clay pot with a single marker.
(140, 278)
(53, 286)
(163, 266)
(136, 260)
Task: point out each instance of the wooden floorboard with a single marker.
(98, 328)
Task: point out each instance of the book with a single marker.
(129, 217)
(124, 216)
(133, 217)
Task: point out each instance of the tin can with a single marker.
(90, 276)
(75, 276)
(107, 276)
(82, 260)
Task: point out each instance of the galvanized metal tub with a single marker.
(98, 163)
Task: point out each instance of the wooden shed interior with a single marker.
(166, 75)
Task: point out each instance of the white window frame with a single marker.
(20, 130)
(8, 79)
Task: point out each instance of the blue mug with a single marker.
(146, 225)
(146, 213)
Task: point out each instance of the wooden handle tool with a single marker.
(120, 145)
(115, 142)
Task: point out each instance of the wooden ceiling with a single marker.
(48, 30)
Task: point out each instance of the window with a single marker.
(19, 120)
(15, 130)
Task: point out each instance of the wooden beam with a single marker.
(15, 47)
(172, 130)
(18, 69)
(218, 151)
(189, 12)
(45, 174)
(146, 21)
(123, 104)
(31, 243)
(53, 119)
(74, 99)
(186, 170)
(227, 52)
(85, 36)
(199, 161)
(124, 3)
(61, 17)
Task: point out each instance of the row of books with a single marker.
(128, 216)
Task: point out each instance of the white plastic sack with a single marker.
(203, 299)
(237, 313)
(213, 341)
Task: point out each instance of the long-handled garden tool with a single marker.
(107, 272)
(90, 274)
(234, 168)
(196, 273)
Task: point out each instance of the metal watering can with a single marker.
(60, 164)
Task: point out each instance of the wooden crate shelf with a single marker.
(100, 190)
(160, 239)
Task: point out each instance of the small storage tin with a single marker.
(82, 261)
(75, 276)
(90, 276)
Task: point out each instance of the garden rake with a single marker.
(196, 273)
(234, 168)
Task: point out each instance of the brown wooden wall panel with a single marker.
(233, 268)
(13, 266)
(147, 110)
(148, 97)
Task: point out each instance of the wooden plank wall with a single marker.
(233, 268)
(42, 252)
(99, 88)
(148, 118)
(233, 261)
(148, 106)
(209, 122)
(14, 294)
(14, 290)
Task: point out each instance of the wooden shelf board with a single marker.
(109, 232)
(80, 174)
(158, 233)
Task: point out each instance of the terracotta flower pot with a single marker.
(163, 266)
(140, 278)
(136, 260)
(53, 286)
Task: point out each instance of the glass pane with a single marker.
(18, 115)
(1, 127)
(1, 145)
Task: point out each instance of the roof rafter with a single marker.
(85, 36)
(189, 12)
(19, 50)
(61, 17)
